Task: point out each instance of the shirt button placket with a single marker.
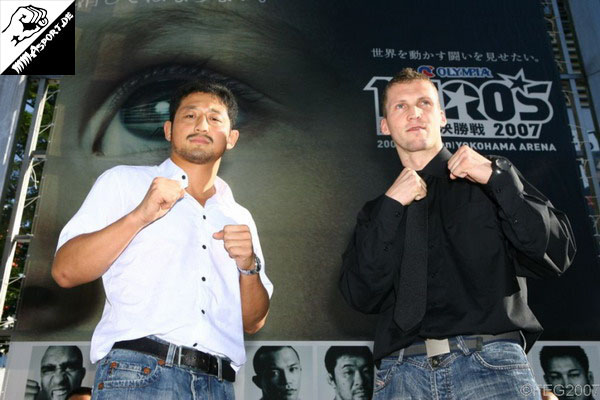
(203, 278)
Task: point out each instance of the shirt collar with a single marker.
(169, 169)
(438, 166)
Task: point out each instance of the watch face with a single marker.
(502, 164)
(258, 265)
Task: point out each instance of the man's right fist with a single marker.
(25, 22)
(407, 187)
(160, 198)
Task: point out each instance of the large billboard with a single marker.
(308, 76)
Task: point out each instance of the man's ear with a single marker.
(444, 120)
(167, 128)
(331, 381)
(384, 127)
(232, 138)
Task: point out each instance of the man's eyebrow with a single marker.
(274, 366)
(403, 100)
(211, 109)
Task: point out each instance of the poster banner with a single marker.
(309, 77)
(286, 370)
(47, 370)
(567, 368)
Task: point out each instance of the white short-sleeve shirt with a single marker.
(173, 280)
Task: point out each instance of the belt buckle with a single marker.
(437, 347)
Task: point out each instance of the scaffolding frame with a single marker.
(570, 77)
(31, 157)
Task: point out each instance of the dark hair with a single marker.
(576, 352)
(211, 87)
(335, 352)
(257, 361)
(76, 349)
(404, 76)
(79, 390)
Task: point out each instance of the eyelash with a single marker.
(425, 102)
(129, 86)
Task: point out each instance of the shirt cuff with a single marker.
(507, 189)
(388, 216)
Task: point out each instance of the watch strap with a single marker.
(253, 271)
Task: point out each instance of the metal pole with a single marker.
(26, 167)
(571, 77)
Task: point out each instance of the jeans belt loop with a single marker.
(219, 369)
(400, 355)
(179, 356)
(462, 345)
(479, 344)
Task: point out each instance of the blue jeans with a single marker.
(129, 375)
(498, 371)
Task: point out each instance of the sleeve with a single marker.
(258, 251)
(372, 259)
(102, 206)
(541, 234)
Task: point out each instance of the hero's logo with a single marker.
(427, 70)
(509, 106)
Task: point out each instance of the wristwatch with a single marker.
(255, 270)
(500, 165)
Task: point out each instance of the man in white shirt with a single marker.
(180, 261)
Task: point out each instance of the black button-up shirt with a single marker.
(482, 240)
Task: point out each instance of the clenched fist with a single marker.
(408, 187)
(160, 198)
(238, 244)
(25, 22)
(469, 164)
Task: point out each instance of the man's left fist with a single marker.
(469, 164)
(238, 244)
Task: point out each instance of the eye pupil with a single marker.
(147, 108)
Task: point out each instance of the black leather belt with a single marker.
(473, 343)
(184, 356)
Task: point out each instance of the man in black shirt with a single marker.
(442, 257)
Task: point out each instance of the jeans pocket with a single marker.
(384, 373)
(127, 369)
(502, 355)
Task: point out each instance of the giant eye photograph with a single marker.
(409, 184)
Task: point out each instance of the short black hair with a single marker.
(78, 391)
(407, 75)
(335, 352)
(257, 361)
(76, 349)
(576, 352)
(205, 86)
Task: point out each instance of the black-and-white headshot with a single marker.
(350, 372)
(278, 372)
(567, 372)
(61, 371)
